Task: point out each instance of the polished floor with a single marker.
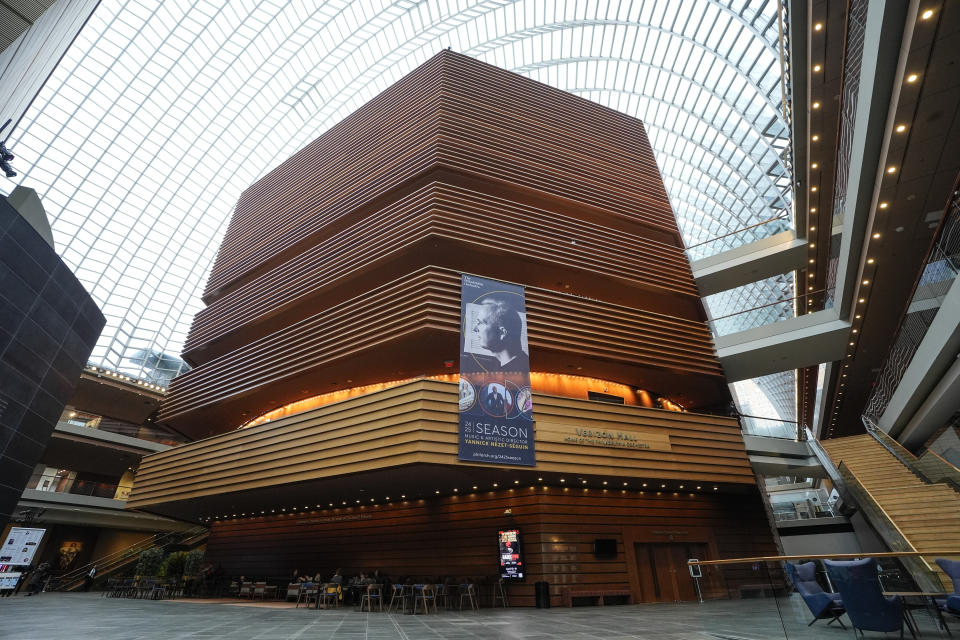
(81, 616)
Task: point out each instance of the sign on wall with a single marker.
(496, 404)
(20, 546)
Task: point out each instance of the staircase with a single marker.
(119, 560)
(927, 515)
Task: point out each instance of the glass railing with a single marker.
(757, 597)
(738, 238)
(139, 431)
(768, 428)
(765, 314)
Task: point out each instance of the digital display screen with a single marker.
(511, 555)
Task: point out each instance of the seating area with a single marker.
(144, 588)
(868, 603)
(407, 597)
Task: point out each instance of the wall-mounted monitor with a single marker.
(605, 547)
(511, 555)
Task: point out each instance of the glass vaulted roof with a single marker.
(161, 113)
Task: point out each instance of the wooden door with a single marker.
(662, 568)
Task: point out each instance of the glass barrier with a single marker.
(149, 433)
(738, 238)
(762, 315)
(810, 598)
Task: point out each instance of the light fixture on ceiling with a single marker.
(926, 15)
(912, 78)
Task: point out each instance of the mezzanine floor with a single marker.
(87, 615)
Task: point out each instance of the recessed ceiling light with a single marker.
(926, 15)
(814, 165)
(901, 128)
(815, 138)
(870, 260)
(891, 169)
(912, 77)
(816, 105)
(816, 67)
(876, 236)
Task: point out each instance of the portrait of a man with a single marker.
(498, 328)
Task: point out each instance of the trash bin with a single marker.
(541, 592)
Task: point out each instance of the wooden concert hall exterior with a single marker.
(323, 395)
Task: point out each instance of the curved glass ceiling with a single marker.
(161, 113)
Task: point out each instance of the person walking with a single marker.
(88, 580)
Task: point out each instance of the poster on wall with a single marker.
(511, 556)
(20, 546)
(496, 404)
(68, 552)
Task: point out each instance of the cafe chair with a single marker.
(305, 593)
(331, 593)
(950, 604)
(867, 607)
(246, 590)
(371, 595)
(823, 605)
(469, 591)
(425, 593)
(293, 591)
(396, 597)
(500, 594)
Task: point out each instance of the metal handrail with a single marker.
(830, 556)
(848, 504)
(904, 456)
(109, 562)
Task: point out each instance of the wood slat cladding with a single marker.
(458, 228)
(456, 112)
(624, 345)
(416, 423)
(455, 536)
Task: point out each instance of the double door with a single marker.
(663, 572)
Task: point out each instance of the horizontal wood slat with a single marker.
(440, 212)
(429, 300)
(456, 537)
(416, 422)
(456, 112)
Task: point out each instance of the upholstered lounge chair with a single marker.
(867, 607)
(823, 605)
(951, 604)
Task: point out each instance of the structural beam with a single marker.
(795, 343)
(912, 404)
(764, 258)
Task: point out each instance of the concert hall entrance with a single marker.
(662, 570)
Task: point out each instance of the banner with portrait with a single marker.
(496, 405)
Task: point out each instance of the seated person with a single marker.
(337, 577)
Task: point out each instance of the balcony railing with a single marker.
(940, 271)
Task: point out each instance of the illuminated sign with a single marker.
(511, 555)
(20, 545)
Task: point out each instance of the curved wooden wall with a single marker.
(456, 536)
(418, 316)
(470, 224)
(416, 423)
(341, 267)
(455, 112)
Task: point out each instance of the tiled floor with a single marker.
(79, 616)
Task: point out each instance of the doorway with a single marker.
(662, 568)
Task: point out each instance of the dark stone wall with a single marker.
(48, 327)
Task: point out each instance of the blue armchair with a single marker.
(823, 605)
(868, 608)
(951, 604)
